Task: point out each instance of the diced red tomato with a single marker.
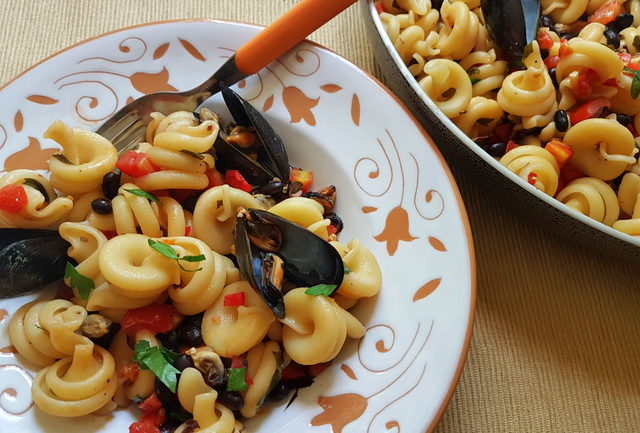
(109, 234)
(215, 177)
(501, 133)
(180, 195)
(588, 110)
(150, 404)
(316, 369)
(568, 173)
(511, 145)
(611, 82)
(560, 151)
(13, 198)
(532, 178)
(187, 230)
(293, 371)
(234, 299)
(564, 50)
(237, 362)
(551, 61)
(143, 427)
(129, 372)
(379, 7)
(248, 379)
(625, 57)
(544, 40)
(153, 317)
(331, 229)
(606, 13)
(302, 176)
(136, 164)
(235, 179)
(587, 77)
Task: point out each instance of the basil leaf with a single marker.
(197, 258)
(60, 157)
(194, 154)
(321, 289)
(157, 359)
(38, 186)
(164, 249)
(82, 284)
(635, 87)
(145, 194)
(236, 379)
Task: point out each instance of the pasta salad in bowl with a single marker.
(537, 98)
(273, 262)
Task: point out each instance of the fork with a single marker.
(127, 126)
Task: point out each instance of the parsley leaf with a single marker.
(82, 284)
(236, 379)
(158, 359)
(170, 253)
(29, 181)
(321, 289)
(194, 154)
(145, 194)
(635, 82)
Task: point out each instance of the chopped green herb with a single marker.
(37, 185)
(236, 379)
(60, 157)
(145, 194)
(170, 253)
(346, 269)
(77, 281)
(158, 359)
(635, 82)
(194, 154)
(474, 80)
(321, 289)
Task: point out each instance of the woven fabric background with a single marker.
(557, 329)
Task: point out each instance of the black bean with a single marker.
(280, 391)
(169, 400)
(621, 22)
(111, 184)
(436, 4)
(561, 120)
(613, 38)
(170, 340)
(497, 149)
(102, 206)
(183, 361)
(190, 335)
(169, 426)
(552, 74)
(231, 399)
(546, 21)
(189, 203)
(544, 53)
(623, 119)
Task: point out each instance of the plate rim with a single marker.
(461, 208)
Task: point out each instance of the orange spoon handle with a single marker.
(284, 33)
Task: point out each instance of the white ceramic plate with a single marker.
(468, 159)
(395, 194)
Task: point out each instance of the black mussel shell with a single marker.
(512, 24)
(308, 259)
(30, 259)
(272, 154)
(230, 157)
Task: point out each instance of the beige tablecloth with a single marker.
(556, 339)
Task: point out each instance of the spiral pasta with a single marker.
(305, 212)
(591, 197)
(534, 164)
(364, 278)
(448, 85)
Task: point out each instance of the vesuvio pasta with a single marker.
(565, 119)
(161, 311)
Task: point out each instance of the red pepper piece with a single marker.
(13, 198)
(237, 362)
(316, 369)
(551, 61)
(564, 50)
(611, 82)
(544, 40)
(568, 173)
(606, 13)
(153, 317)
(215, 178)
(587, 77)
(234, 299)
(379, 7)
(293, 371)
(511, 145)
(560, 151)
(625, 57)
(589, 110)
(235, 179)
(142, 427)
(136, 164)
(302, 176)
(532, 178)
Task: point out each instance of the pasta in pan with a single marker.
(573, 92)
(164, 310)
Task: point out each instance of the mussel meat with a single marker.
(270, 248)
(512, 24)
(30, 259)
(261, 162)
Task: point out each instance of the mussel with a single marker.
(270, 248)
(512, 24)
(260, 162)
(30, 259)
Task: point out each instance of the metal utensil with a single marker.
(127, 126)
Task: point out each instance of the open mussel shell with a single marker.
(307, 259)
(512, 24)
(30, 259)
(272, 155)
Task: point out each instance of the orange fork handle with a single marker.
(284, 33)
